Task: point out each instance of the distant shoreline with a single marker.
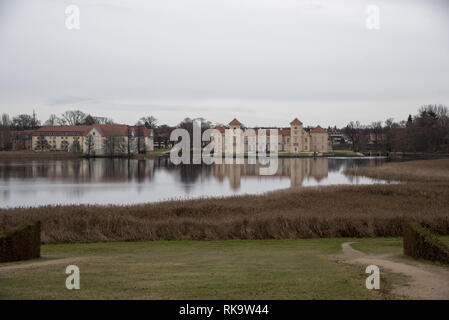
(60, 155)
(63, 155)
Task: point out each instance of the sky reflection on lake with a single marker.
(122, 181)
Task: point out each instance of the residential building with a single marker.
(96, 139)
(21, 140)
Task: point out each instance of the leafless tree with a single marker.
(5, 134)
(114, 145)
(52, 120)
(355, 132)
(76, 146)
(42, 144)
(25, 122)
(149, 122)
(131, 141)
(90, 145)
(73, 117)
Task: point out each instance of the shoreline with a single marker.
(60, 155)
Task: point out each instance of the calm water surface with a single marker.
(122, 181)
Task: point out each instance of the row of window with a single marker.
(58, 133)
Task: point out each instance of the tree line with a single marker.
(113, 145)
(427, 131)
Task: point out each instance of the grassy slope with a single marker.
(248, 269)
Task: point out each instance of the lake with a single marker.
(123, 181)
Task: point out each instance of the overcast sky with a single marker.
(262, 61)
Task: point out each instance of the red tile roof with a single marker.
(296, 122)
(104, 129)
(221, 129)
(282, 132)
(62, 131)
(318, 129)
(110, 130)
(235, 122)
(141, 131)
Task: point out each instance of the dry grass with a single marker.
(420, 170)
(339, 211)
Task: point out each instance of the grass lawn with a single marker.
(232, 269)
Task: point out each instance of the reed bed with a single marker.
(334, 211)
(418, 170)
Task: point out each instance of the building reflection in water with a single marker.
(297, 169)
(81, 171)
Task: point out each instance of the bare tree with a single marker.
(90, 144)
(131, 140)
(61, 122)
(65, 145)
(25, 122)
(76, 146)
(114, 145)
(149, 122)
(355, 132)
(5, 134)
(52, 120)
(140, 141)
(42, 144)
(74, 117)
(162, 134)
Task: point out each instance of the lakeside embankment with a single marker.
(27, 155)
(334, 211)
(57, 155)
(31, 155)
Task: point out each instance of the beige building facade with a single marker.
(296, 139)
(97, 139)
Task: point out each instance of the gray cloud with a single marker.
(265, 60)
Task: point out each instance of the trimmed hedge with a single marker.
(419, 242)
(23, 243)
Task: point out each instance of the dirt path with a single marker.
(426, 281)
(35, 264)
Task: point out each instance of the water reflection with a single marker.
(124, 181)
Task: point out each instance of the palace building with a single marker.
(296, 139)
